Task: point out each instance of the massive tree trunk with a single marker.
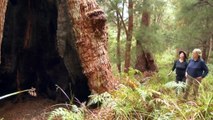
(89, 25)
(67, 50)
(129, 36)
(145, 60)
(3, 7)
(49, 42)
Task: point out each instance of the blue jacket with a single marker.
(197, 68)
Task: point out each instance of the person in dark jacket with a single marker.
(195, 72)
(180, 66)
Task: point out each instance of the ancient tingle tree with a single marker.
(55, 42)
(89, 25)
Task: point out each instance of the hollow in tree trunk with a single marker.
(32, 56)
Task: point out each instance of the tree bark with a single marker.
(3, 7)
(152, 66)
(141, 63)
(129, 37)
(145, 60)
(67, 50)
(89, 25)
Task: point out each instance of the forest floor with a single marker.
(30, 109)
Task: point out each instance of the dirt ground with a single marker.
(30, 109)
(39, 109)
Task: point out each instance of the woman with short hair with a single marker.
(195, 72)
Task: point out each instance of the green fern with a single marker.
(74, 114)
(179, 87)
(104, 100)
(155, 100)
(157, 115)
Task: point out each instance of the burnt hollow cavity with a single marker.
(29, 53)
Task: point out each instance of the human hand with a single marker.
(186, 74)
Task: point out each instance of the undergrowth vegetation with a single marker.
(155, 99)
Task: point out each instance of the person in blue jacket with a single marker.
(195, 72)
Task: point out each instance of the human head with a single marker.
(196, 53)
(182, 55)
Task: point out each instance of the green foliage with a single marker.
(128, 103)
(175, 85)
(62, 113)
(113, 45)
(102, 100)
(165, 61)
(156, 100)
(179, 87)
(194, 22)
(155, 38)
(153, 35)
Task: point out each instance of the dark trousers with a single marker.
(180, 78)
